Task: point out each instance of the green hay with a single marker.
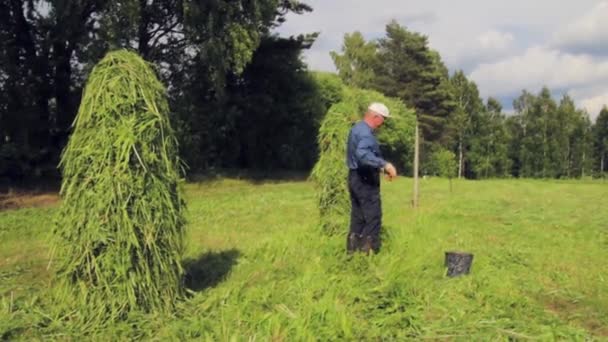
(119, 232)
(330, 172)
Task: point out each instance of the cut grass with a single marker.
(260, 268)
(118, 236)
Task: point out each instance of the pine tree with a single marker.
(409, 70)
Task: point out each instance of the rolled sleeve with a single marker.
(366, 155)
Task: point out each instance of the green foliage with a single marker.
(460, 121)
(445, 163)
(217, 58)
(14, 161)
(279, 110)
(582, 146)
(535, 157)
(330, 172)
(548, 140)
(400, 65)
(356, 63)
(409, 70)
(47, 49)
(119, 232)
(488, 143)
(600, 140)
(266, 119)
(226, 33)
(330, 87)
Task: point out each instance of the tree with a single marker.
(445, 163)
(275, 97)
(224, 34)
(514, 129)
(538, 122)
(500, 138)
(489, 142)
(563, 136)
(582, 145)
(38, 59)
(600, 140)
(331, 88)
(409, 70)
(278, 99)
(468, 104)
(48, 47)
(356, 63)
(518, 129)
(204, 50)
(550, 140)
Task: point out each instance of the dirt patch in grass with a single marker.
(16, 200)
(570, 311)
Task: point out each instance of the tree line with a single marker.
(543, 138)
(241, 97)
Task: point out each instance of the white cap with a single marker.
(379, 108)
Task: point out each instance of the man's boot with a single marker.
(353, 243)
(367, 245)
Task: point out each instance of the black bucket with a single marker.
(458, 263)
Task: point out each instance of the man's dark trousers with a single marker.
(366, 209)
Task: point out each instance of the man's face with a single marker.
(378, 120)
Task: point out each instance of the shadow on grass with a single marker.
(252, 176)
(209, 269)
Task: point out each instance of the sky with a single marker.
(504, 46)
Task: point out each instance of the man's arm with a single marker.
(366, 156)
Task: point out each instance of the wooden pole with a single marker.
(416, 161)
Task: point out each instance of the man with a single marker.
(365, 162)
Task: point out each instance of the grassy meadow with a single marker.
(259, 269)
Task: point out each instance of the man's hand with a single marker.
(390, 171)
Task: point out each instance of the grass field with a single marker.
(260, 270)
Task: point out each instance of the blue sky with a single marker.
(504, 46)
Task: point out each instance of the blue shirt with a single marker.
(362, 149)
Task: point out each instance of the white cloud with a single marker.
(536, 67)
(485, 47)
(588, 34)
(321, 60)
(495, 40)
(453, 27)
(506, 45)
(594, 104)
